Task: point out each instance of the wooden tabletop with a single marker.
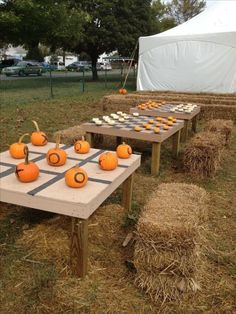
(50, 193)
(164, 111)
(126, 129)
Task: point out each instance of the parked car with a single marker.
(58, 66)
(8, 63)
(24, 68)
(103, 66)
(79, 66)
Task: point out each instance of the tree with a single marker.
(183, 10)
(161, 20)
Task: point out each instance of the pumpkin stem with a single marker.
(124, 143)
(83, 139)
(21, 138)
(58, 139)
(26, 151)
(36, 125)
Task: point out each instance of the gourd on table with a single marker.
(82, 146)
(38, 138)
(76, 177)
(108, 161)
(124, 150)
(27, 171)
(17, 150)
(56, 156)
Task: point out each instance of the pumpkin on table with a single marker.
(38, 138)
(124, 151)
(27, 171)
(82, 146)
(108, 161)
(56, 156)
(17, 150)
(76, 177)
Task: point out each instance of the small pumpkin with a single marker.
(122, 91)
(56, 156)
(27, 171)
(76, 177)
(166, 127)
(137, 129)
(108, 161)
(17, 150)
(38, 138)
(124, 151)
(82, 146)
(148, 127)
(157, 130)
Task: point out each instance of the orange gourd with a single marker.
(76, 177)
(27, 171)
(17, 150)
(82, 146)
(122, 91)
(56, 156)
(38, 138)
(108, 161)
(124, 151)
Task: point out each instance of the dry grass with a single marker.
(203, 154)
(223, 127)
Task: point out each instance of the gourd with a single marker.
(56, 156)
(122, 91)
(27, 171)
(76, 177)
(17, 150)
(82, 146)
(124, 151)
(38, 138)
(108, 161)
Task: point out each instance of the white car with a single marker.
(104, 66)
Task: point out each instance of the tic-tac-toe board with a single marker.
(165, 111)
(50, 193)
(126, 129)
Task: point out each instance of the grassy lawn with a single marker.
(34, 276)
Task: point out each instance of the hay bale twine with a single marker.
(167, 252)
(221, 126)
(203, 154)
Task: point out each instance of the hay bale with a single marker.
(70, 135)
(223, 127)
(167, 251)
(203, 154)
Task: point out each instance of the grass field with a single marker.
(34, 276)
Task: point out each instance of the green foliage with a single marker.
(183, 10)
(161, 20)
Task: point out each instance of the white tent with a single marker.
(197, 56)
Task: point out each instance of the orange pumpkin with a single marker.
(76, 177)
(108, 161)
(124, 151)
(157, 130)
(38, 138)
(122, 91)
(56, 156)
(27, 171)
(17, 150)
(82, 146)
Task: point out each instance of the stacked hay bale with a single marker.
(203, 154)
(221, 126)
(70, 135)
(167, 251)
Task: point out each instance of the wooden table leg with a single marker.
(79, 247)
(127, 192)
(156, 151)
(118, 140)
(176, 143)
(194, 124)
(185, 131)
(89, 138)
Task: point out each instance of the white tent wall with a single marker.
(197, 56)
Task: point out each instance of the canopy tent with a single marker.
(196, 56)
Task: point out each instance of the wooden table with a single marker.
(126, 130)
(165, 111)
(50, 193)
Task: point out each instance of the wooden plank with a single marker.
(127, 192)
(90, 138)
(79, 247)
(185, 131)
(156, 152)
(176, 144)
(194, 123)
(118, 140)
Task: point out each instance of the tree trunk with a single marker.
(94, 59)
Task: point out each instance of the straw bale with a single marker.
(203, 154)
(209, 112)
(168, 241)
(70, 135)
(221, 126)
